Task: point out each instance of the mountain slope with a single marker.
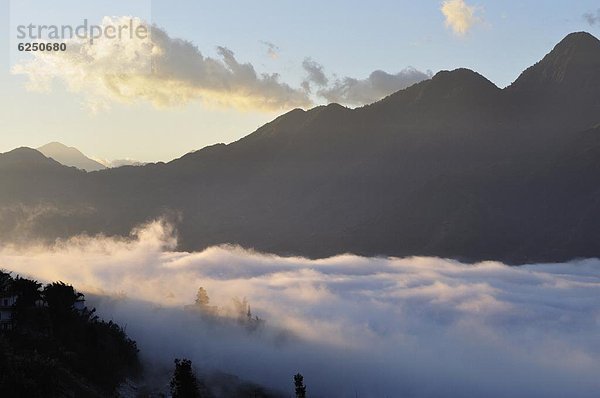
(572, 64)
(69, 156)
(452, 166)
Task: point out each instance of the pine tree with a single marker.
(184, 383)
(202, 299)
(300, 387)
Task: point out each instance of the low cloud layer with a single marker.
(592, 18)
(460, 16)
(159, 69)
(114, 163)
(376, 327)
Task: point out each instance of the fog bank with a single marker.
(372, 327)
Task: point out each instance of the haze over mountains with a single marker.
(452, 166)
(72, 157)
(69, 156)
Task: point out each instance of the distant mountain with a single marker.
(69, 156)
(452, 166)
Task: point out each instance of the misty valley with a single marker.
(348, 324)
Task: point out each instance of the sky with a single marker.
(222, 69)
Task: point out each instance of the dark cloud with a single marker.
(272, 49)
(352, 91)
(592, 18)
(315, 74)
(378, 85)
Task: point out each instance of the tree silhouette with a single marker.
(6, 282)
(28, 294)
(202, 299)
(300, 387)
(61, 298)
(184, 383)
(27, 291)
(53, 346)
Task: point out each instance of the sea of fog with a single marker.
(353, 326)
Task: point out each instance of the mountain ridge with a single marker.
(452, 167)
(573, 59)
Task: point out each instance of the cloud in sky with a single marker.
(315, 74)
(460, 17)
(272, 49)
(592, 18)
(159, 69)
(168, 72)
(114, 163)
(418, 327)
(378, 85)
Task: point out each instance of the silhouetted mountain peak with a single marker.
(25, 157)
(459, 86)
(460, 80)
(23, 154)
(324, 112)
(298, 122)
(578, 39)
(573, 63)
(21, 151)
(460, 76)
